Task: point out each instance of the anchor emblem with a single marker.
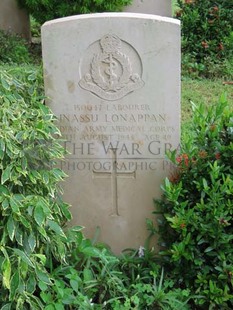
(110, 75)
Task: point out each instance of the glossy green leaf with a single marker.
(31, 284)
(209, 249)
(6, 273)
(14, 285)
(4, 190)
(5, 83)
(43, 232)
(75, 285)
(32, 241)
(25, 222)
(5, 204)
(24, 257)
(88, 276)
(6, 174)
(14, 205)
(42, 286)
(11, 228)
(59, 306)
(65, 210)
(59, 174)
(19, 235)
(39, 215)
(32, 76)
(42, 276)
(56, 228)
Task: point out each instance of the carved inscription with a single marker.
(140, 134)
(110, 75)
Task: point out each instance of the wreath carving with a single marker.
(110, 73)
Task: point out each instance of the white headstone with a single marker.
(14, 19)
(113, 80)
(157, 7)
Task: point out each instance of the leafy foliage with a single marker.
(32, 214)
(207, 33)
(198, 208)
(43, 10)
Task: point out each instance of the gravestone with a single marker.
(157, 7)
(13, 19)
(113, 80)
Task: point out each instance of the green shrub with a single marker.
(34, 246)
(35, 28)
(31, 214)
(14, 49)
(51, 9)
(198, 208)
(206, 32)
(36, 260)
(220, 68)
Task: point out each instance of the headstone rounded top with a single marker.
(113, 15)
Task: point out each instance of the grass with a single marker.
(201, 91)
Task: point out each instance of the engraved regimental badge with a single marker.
(114, 72)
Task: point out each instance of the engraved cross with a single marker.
(113, 175)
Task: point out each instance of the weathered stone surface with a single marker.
(157, 7)
(113, 80)
(13, 19)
